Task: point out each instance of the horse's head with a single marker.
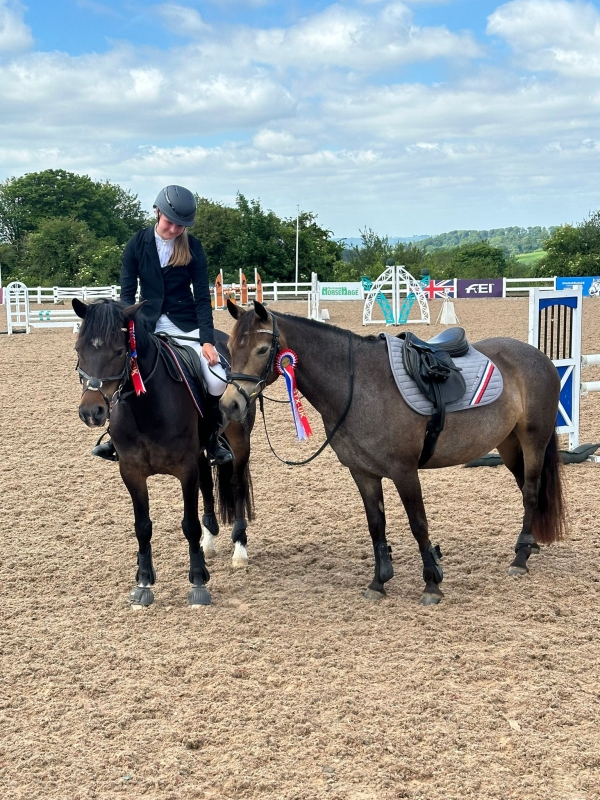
(103, 355)
(253, 344)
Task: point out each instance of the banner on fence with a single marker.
(484, 287)
(341, 291)
(439, 289)
(590, 287)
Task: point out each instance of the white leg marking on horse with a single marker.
(240, 556)
(208, 543)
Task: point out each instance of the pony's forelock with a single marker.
(104, 322)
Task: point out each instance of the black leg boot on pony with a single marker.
(218, 450)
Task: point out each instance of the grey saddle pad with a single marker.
(482, 376)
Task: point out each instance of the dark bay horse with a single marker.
(382, 437)
(160, 432)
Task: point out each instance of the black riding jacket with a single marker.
(168, 290)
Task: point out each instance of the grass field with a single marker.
(530, 258)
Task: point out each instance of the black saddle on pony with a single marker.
(431, 367)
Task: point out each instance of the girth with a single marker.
(431, 367)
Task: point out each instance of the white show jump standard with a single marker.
(555, 319)
(17, 308)
(400, 283)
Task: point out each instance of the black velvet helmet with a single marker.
(177, 204)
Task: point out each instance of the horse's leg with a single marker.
(409, 489)
(239, 439)
(526, 465)
(210, 525)
(137, 485)
(371, 492)
(192, 530)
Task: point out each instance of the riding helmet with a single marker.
(177, 204)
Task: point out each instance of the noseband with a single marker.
(91, 384)
(260, 381)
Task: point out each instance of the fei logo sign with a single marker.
(484, 287)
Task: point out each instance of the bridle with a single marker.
(91, 384)
(260, 381)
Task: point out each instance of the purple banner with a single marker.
(484, 287)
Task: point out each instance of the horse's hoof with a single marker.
(535, 549)
(517, 572)
(371, 594)
(141, 597)
(239, 559)
(199, 596)
(208, 544)
(428, 599)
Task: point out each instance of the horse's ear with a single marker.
(235, 311)
(261, 311)
(131, 311)
(79, 308)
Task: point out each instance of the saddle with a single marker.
(183, 365)
(431, 367)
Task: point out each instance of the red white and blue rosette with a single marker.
(285, 364)
(136, 378)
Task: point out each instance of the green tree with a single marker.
(216, 226)
(107, 209)
(572, 250)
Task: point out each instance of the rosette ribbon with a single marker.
(285, 364)
(136, 378)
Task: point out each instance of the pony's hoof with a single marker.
(517, 572)
(141, 597)
(199, 596)
(239, 559)
(535, 549)
(371, 594)
(428, 599)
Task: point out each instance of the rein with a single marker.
(261, 381)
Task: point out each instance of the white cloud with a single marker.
(554, 35)
(339, 37)
(294, 115)
(15, 35)
(182, 20)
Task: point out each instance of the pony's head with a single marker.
(253, 344)
(103, 354)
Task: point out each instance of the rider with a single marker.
(171, 268)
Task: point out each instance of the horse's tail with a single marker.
(225, 493)
(549, 522)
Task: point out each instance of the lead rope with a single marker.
(337, 425)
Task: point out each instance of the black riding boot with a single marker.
(106, 450)
(219, 450)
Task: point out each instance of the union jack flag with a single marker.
(439, 288)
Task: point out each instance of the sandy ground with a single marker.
(290, 686)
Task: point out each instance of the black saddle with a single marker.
(189, 358)
(431, 367)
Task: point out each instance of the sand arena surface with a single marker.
(290, 686)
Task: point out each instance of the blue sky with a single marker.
(406, 117)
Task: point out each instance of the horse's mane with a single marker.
(245, 324)
(104, 320)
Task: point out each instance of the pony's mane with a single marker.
(104, 320)
(245, 325)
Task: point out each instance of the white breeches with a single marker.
(211, 375)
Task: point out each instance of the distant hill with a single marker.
(513, 240)
(352, 242)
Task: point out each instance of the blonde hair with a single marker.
(181, 255)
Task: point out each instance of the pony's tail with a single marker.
(225, 494)
(549, 522)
